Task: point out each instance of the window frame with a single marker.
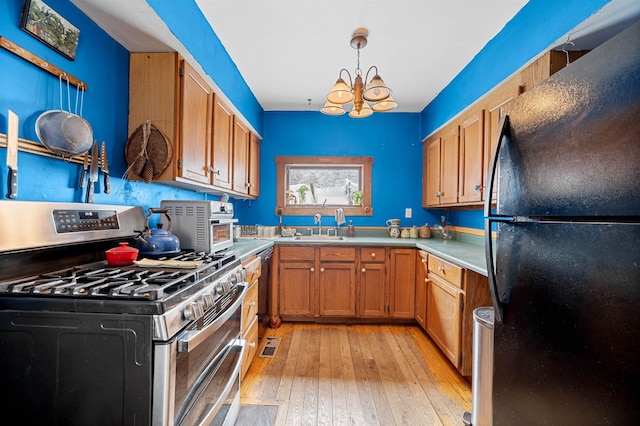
(282, 162)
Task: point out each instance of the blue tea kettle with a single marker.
(157, 242)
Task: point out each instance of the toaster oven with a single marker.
(203, 226)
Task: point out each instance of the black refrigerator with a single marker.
(564, 259)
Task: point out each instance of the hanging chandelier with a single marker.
(359, 92)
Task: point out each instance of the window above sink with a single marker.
(309, 185)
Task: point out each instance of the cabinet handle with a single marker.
(252, 344)
(373, 255)
(424, 260)
(438, 194)
(441, 269)
(252, 305)
(479, 187)
(321, 269)
(312, 269)
(426, 280)
(363, 270)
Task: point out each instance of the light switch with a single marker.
(407, 213)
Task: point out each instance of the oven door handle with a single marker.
(190, 340)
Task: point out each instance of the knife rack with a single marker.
(32, 147)
(39, 62)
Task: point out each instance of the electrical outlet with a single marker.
(407, 213)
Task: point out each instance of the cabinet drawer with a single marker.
(297, 253)
(339, 254)
(372, 254)
(250, 306)
(446, 270)
(252, 268)
(251, 348)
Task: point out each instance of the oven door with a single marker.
(197, 374)
(221, 234)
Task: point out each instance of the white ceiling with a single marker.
(289, 51)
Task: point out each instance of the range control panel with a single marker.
(84, 220)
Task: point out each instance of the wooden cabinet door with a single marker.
(195, 126)
(431, 179)
(222, 144)
(470, 178)
(337, 289)
(372, 295)
(449, 159)
(421, 289)
(240, 167)
(254, 165)
(296, 282)
(402, 283)
(443, 316)
(496, 110)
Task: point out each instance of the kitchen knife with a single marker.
(104, 165)
(12, 154)
(85, 166)
(93, 172)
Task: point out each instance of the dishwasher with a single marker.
(264, 288)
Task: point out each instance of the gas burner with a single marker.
(128, 283)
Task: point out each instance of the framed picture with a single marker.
(48, 26)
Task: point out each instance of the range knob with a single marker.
(222, 287)
(233, 279)
(193, 311)
(207, 301)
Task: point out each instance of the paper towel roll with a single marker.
(340, 217)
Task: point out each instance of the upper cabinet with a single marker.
(209, 146)
(240, 157)
(195, 111)
(222, 145)
(254, 165)
(471, 148)
(457, 158)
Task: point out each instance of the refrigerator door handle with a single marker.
(498, 305)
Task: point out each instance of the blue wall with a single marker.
(28, 91)
(393, 138)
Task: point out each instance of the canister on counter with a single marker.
(425, 231)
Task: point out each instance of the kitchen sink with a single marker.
(319, 238)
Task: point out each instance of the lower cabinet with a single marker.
(444, 310)
(421, 288)
(337, 279)
(402, 283)
(372, 299)
(452, 293)
(345, 281)
(296, 281)
(249, 321)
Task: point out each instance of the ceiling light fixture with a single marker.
(375, 91)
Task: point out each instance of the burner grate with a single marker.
(129, 283)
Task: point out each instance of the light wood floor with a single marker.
(326, 374)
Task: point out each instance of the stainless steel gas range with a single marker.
(82, 342)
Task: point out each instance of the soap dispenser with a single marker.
(351, 230)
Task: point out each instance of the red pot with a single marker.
(122, 256)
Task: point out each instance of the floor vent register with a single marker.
(270, 347)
